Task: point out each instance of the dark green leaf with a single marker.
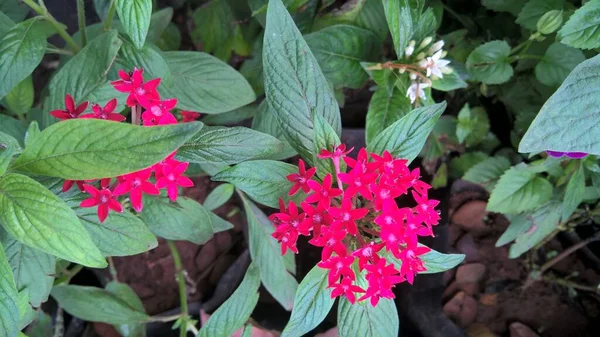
(232, 314)
(574, 192)
(202, 82)
(266, 253)
(487, 172)
(33, 269)
(158, 23)
(362, 319)
(542, 222)
(473, 125)
(511, 6)
(385, 110)
(325, 139)
(96, 305)
(20, 99)
(231, 117)
(556, 64)
(518, 225)
(16, 10)
(149, 58)
(312, 303)
(184, 219)
(489, 63)
(5, 22)
(264, 121)
(78, 149)
(263, 180)
(519, 190)
(219, 224)
(400, 22)
(21, 50)
(219, 196)
(294, 84)
(460, 165)
(214, 28)
(567, 121)
(228, 145)
(39, 219)
(41, 326)
(135, 18)
(406, 137)
(14, 128)
(535, 9)
(9, 307)
(125, 293)
(583, 28)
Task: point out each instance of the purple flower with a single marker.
(572, 155)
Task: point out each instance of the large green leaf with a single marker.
(489, 63)
(312, 303)
(263, 180)
(264, 121)
(126, 293)
(266, 253)
(41, 326)
(232, 314)
(20, 99)
(135, 16)
(158, 23)
(149, 58)
(400, 21)
(535, 9)
(21, 50)
(202, 82)
(384, 110)
(81, 149)
(9, 309)
(567, 121)
(228, 145)
(16, 10)
(96, 305)
(294, 84)
(540, 224)
(340, 49)
(487, 172)
(5, 22)
(556, 64)
(406, 137)
(33, 270)
(325, 139)
(85, 72)
(436, 262)
(39, 219)
(574, 192)
(363, 319)
(519, 190)
(184, 219)
(215, 28)
(583, 28)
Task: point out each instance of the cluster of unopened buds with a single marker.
(430, 65)
(358, 222)
(168, 173)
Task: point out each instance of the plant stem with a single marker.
(573, 285)
(165, 318)
(112, 269)
(50, 50)
(568, 252)
(68, 275)
(60, 29)
(110, 15)
(81, 17)
(59, 326)
(182, 289)
(135, 114)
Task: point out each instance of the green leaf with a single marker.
(519, 190)
(511, 6)
(340, 49)
(202, 82)
(16, 10)
(21, 50)
(449, 82)
(406, 137)
(362, 319)
(574, 192)
(436, 262)
(218, 197)
(135, 16)
(518, 225)
(264, 121)
(149, 58)
(33, 269)
(5, 22)
(228, 145)
(541, 223)
(567, 120)
(556, 64)
(294, 84)
(96, 305)
(41, 326)
(20, 99)
(184, 219)
(266, 253)
(6, 155)
(78, 149)
(385, 110)
(473, 125)
(219, 224)
(125, 293)
(9, 308)
(400, 22)
(85, 72)
(26, 313)
(39, 219)
(583, 28)
(263, 180)
(14, 128)
(460, 165)
(232, 314)
(214, 28)
(489, 63)
(231, 117)
(312, 303)
(325, 138)
(372, 17)
(159, 21)
(487, 172)
(535, 9)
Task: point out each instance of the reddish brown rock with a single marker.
(471, 217)
(521, 330)
(470, 273)
(467, 246)
(462, 309)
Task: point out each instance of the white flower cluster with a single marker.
(431, 61)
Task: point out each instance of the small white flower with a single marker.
(416, 90)
(410, 49)
(436, 65)
(436, 47)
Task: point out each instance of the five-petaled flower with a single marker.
(106, 112)
(136, 184)
(71, 110)
(103, 198)
(301, 178)
(172, 177)
(133, 83)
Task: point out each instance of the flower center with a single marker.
(317, 218)
(103, 199)
(156, 111)
(136, 182)
(346, 216)
(171, 177)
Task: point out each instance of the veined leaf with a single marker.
(535, 9)
(9, 308)
(20, 98)
(583, 28)
(489, 63)
(556, 64)
(384, 110)
(541, 223)
(125, 293)
(362, 319)
(218, 196)
(519, 190)
(135, 18)
(574, 192)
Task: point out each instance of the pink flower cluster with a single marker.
(168, 173)
(358, 223)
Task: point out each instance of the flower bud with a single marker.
(436, 46)
(426, 42)
(421, 56)
(550, 22)
(413, 76)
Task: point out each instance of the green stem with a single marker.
(68, 275)
(112, 269)
(110, 15)
(60, 29)
(50, 50)
(81, 17)
(165, 318)
(182, 289)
